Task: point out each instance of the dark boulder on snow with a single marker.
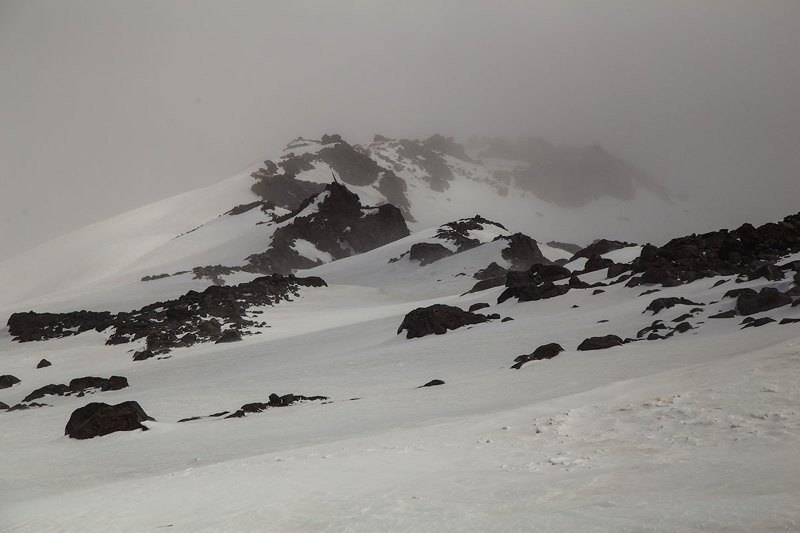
(766, 299)
(3, 406)
(98, 419)
(545, 351)
(432, 383)
(600, 343)
(230, 335)
(665, 303)
(43, 363)
(767, 271)
(537, 274)
(532, 293)
(522, 252)
(426, 253)
(758, 322)
(785, 321)
(596, 262)
(8, 380)
(477, 306)
(274, 401)
(79, 386)
(724, 314)
(683, 327)
(600, 247)
(617, 269)
(437, 319)
(143, 355)
(486, 284)
(492, 271)
(31, 326)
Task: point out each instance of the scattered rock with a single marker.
(437, 319)
(97, 419)
(426, 253)
(597, 291)
(142, 355)
(8, 380)
(683, 327)
(766, 299)
(478, 306)
(507, 319)
(43, 363)
(432, 383)
(230, 335)
(665, 303)
(491, 272)
(545, 351)
(789, 321)
(724, 314)
(758, 322)
(600, 343)
(79, 386)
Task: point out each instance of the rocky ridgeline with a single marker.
(335, 223)
(746, 251)
(278, 182)
(192, 318)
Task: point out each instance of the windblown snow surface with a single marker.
(697, 432)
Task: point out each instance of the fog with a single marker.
(105, 106)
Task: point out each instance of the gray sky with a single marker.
(106, 105)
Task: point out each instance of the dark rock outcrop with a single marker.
(437, 319)
(97, 419)
(230, 335)
(522, 252)
(491, 272)
(665, 303)
(545, 351)
(78, 386)
(336, 223)
(600, 247)
(600, 343)
(274, 401)
(766, 299)
(165, 325)
(8, 380)
(477, 306)
(533, 292)
(426, 252)
(30, 326)
(43, 363)
(742, 251)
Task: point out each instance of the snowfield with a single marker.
(698, 432)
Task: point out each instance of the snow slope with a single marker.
(697, 432)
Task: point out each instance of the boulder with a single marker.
(545, 351)
(490, 272)
(683, 327)
(437, 319)
(8, 380)
(97, 419)
(758, 322)
(43, 363)
(142, 355)
(432, 383)
(665, 303)
(766, 299)
(478, 306)
(531, 293)
(426, 253)
(600, 343)
(230, 335)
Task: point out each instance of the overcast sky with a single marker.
(108, 105)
